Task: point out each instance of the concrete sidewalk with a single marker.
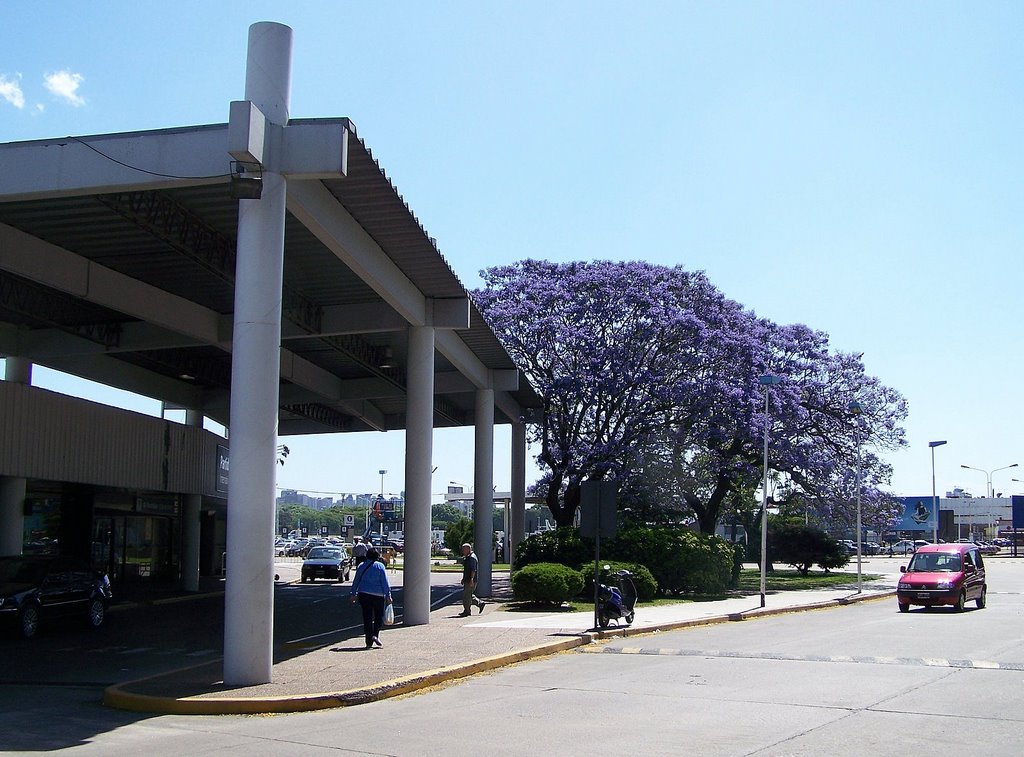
(336, 670)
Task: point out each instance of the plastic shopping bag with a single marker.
(389, 615)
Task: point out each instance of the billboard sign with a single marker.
(1017, 503)
(918, 514)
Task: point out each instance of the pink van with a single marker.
(943, 574)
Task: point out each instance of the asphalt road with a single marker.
(861, 679)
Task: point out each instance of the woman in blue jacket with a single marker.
(372, 588)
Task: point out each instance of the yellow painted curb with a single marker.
(119, 697)
(738, 616)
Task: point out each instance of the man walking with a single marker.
(469, 568)
(358, 551)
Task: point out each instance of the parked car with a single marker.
(36, 590)
(281, 549)
(904, 547)
(298, 548)
(943, 574)
(327, 562)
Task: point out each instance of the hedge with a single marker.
(679, 560)
(546, 582)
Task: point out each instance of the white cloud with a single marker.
(10, 90)
(64, 84)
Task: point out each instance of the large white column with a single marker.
(419, 435)
(190, 512)
(249, 595)
(517, 514)
(483, 488)
(12, 490)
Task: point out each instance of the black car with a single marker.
(327, 562)
(39, 589)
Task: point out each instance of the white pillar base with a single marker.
(483, 489)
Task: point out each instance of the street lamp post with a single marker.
(935, 500)
(382, 472)
(766, 381)
(988, 476)
(855, 410)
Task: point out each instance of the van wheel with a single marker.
(903, 607)
(960, 601)
(980, 601)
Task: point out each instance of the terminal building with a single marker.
(263, 274)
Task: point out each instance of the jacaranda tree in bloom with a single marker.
(650, 375)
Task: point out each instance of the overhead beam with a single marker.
(63, 270)
(341, 320)
(110, 371)
(160, 159)
(34, 259)
(318, 210)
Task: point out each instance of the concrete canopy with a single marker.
(117, 265)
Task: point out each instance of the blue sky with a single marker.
(852, 166)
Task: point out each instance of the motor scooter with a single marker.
(616, 598)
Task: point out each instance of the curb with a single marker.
(119, 697)
(735, 617)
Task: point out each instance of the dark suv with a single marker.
(39, 589)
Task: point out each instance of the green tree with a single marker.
(443, 514)
(457, 533)
(804, 546)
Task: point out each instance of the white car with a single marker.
(904, 547)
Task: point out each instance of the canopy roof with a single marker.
(117, 265)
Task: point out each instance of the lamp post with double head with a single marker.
(855, 410)
(766, 381)
(935, 499)
(988, 475)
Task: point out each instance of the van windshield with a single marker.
(935, 562)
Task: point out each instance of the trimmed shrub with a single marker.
(739, 554)
(552, 583)
(681, 561)
(563, 546)
(803, 546)
(646, 586)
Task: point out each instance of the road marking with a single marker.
(934, 662)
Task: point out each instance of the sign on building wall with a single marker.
(918, 514)
(223, 468)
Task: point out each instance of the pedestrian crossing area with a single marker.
(930, 662)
